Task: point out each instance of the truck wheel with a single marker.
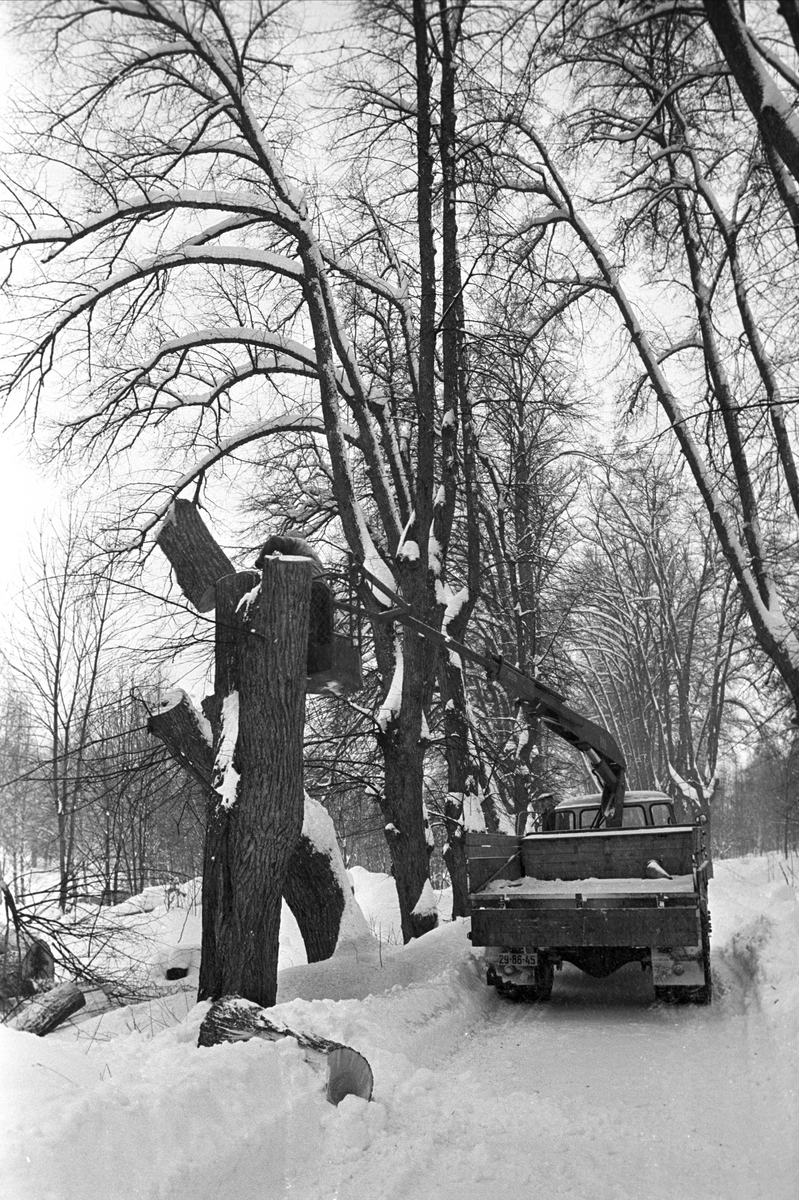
(541, 990)
(693, 995)
(530, 993)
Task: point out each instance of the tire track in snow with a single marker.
(602, 1094)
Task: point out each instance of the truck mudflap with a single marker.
(677, 966)
(682, 973)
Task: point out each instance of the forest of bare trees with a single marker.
(496, 300)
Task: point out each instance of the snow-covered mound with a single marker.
(600, 1094)
(755, 914)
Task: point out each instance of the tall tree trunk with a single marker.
(407, 829)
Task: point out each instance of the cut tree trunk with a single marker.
(186, 733)
(312, 888)
(43, 1013)
(256, 811)
(233, 1019)
(194, 554)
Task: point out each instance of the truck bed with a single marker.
(563, 889)
(587, 888)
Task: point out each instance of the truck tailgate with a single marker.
(628, 921)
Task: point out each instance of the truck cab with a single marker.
(641, 809)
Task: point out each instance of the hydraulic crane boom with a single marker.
(600, 747)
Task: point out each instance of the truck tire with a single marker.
(535, 993)
(693, 995)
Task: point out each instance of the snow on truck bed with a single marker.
(554, 889)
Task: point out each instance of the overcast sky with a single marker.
(25, 492)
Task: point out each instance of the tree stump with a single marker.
(26, 965)
(233, 1019)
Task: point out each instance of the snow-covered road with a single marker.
(600, 1094)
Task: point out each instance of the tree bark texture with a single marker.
(194, 555)
(407, 830)
(254, 825)
(311, 888)
(465, 792)
(26, 965)
(772, 112)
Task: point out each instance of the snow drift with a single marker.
(602, 1093)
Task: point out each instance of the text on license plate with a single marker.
(518, 958)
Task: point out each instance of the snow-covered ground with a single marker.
(602, 1093)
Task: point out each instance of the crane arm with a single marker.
(599, 746)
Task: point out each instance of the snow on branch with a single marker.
(184, 257)
(225, 447)
(250, 204)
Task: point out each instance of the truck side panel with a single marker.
(620, 853)
(492, 855)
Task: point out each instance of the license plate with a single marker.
(518, 958)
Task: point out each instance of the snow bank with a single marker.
(145, 1114)
(472, 1096)
(755, 915)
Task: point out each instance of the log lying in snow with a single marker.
(43, 1013)
(233, 1019)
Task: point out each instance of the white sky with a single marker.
(25, 492)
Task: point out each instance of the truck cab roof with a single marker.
(641, 808)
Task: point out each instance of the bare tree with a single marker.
(659, 174)
(24, 811)
(64, 639)
(192, 190)
(656, 628)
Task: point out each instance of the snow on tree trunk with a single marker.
(318, 891)
(254, 827)
(316, 887)
(408, 833)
